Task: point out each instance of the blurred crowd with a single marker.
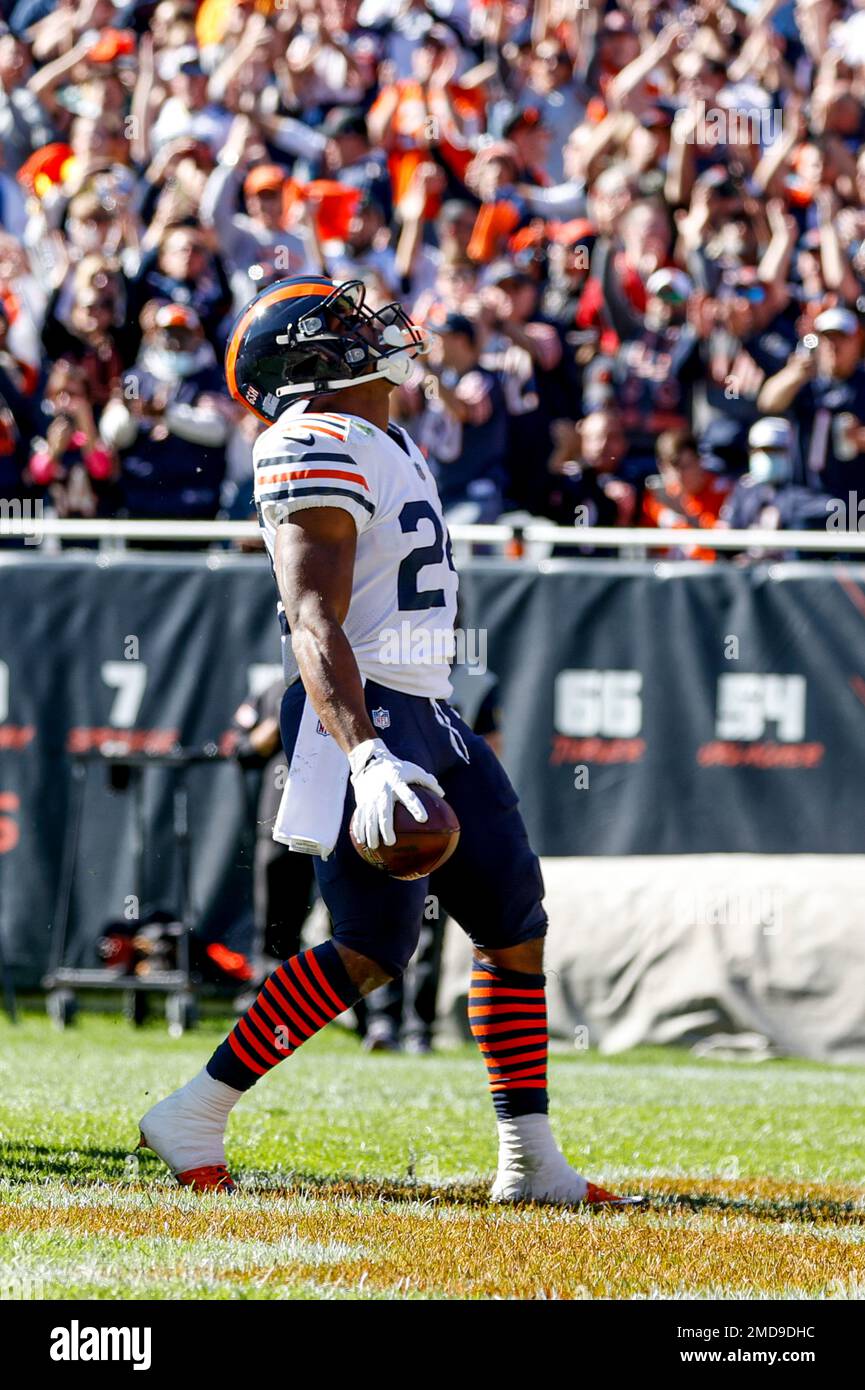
(637, 228)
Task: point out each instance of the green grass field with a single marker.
(366, 1177)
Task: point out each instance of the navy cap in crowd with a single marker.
(456, 323)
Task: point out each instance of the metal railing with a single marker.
(511, 537)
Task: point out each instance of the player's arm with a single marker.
(315, 552)
(314, 563)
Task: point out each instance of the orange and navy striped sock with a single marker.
(297, 1000)
(508, 1018)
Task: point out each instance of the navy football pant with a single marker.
(492, 883)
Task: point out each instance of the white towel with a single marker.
(310, 811)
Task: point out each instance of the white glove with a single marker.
(380, 779)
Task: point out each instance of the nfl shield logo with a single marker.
(381, 718)
(320, 729)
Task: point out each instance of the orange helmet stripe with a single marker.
(274, 296)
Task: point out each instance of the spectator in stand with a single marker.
(651, 375)
(201, 150)
(569, 254)
(767, 498)
(402, 25)
(583, 487)
(349, 157)
(624, 259)
(527, 355)
(525, 129)
(825, 390)
(429, 110)
(185, 269)
(170, 425)
(551, 91)
(24, 126)
(365, 246)
(256, 238)
(18, 414)
(188, 113)
(463, 425)
(331, 59)
(684, 493)
(18, 378)
(70, 464)
(85, 322)
(429, 270)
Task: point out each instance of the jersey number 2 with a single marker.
(409, 596)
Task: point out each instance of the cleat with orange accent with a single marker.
(600, 1197)
(554, 1184)
(214, 1177)
(187, 1131)
(208, 1177)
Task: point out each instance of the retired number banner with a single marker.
(646, 710)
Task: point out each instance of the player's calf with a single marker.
(303, 995)
(508, 1018)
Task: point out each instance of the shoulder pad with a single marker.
(321, 425)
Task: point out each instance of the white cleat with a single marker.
(532, 1168)
(187, 1131)
(564, 1187)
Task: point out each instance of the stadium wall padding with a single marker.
(742, 956)
(648, 709)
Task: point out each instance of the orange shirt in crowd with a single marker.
(408, 135)
(701, 509)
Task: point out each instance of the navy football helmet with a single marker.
(307, 336)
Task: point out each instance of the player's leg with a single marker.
(492, 886)
(305, 993)
(375, 933)
(376, 921)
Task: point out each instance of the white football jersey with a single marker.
(400, 622)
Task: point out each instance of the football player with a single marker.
(354, 529)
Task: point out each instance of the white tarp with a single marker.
(674, 949)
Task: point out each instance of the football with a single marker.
(421, 846)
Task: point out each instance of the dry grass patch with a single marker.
(747, 1239)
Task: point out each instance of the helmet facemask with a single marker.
(361, 343)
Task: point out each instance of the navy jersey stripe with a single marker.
(313, 456)
(284, 493)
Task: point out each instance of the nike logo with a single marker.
(296, 439)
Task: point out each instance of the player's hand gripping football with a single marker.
(380, 780)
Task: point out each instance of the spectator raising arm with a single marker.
(778, 154)
(143, 102)
(46, 83)
(780, 391)
(775, 262)
(837, 272)
(621, 91)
